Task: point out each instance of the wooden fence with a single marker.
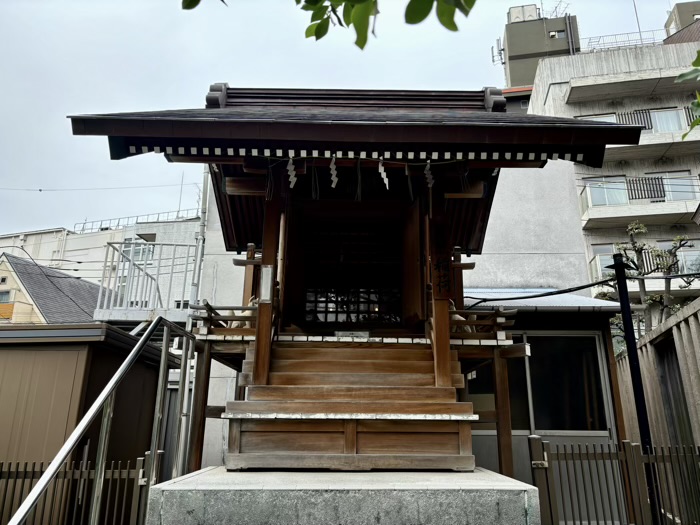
(587, 484)
(68, 497)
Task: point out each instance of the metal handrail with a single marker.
(105, 401)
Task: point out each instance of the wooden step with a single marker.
(352, 366)
(348, 410)
(340, 379)
(350, 393)
(368, 354)
(350, 461)
(336, 344)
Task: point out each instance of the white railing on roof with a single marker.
(639, 38)
(123, 222)
(142, 278)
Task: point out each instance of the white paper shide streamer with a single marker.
(382, 172)
(292, 173)
(334, 173)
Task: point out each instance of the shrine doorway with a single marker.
(352, 266)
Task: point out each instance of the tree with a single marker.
(362, 14)
(647, 259)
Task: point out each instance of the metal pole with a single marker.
(620, 266)
(101, 459)
(639, 27)
(80, 429)
(181, 406)
(160, 400)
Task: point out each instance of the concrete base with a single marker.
(214, 495)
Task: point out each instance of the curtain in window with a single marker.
(667, 121)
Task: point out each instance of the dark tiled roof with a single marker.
(61, 298)
(319, 114)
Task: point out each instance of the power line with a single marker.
(49, 279)
(46, 190)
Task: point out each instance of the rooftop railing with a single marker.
(639, 38)
(124, 222)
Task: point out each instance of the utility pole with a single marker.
(620, 266)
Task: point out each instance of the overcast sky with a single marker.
(68, 57)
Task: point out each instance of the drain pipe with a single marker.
(186, 407)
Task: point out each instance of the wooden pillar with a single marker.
(457, 280)
(263, 326)
(199, 409)
(441, 272)
(249, 279)
(504, 432)
(614, 385)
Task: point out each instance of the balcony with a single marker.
(688, 262)
(649, 83)
(662, 135)
(143, 280)
(614, 202)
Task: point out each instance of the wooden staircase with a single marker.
(350, 406)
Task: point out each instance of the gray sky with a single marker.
(66, 57)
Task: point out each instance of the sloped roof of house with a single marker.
(568, 302)
(61, 298)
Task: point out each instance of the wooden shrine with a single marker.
(354, 209)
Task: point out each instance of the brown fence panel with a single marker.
(609, 484)
(67, 499)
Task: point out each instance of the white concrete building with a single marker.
(655, 182)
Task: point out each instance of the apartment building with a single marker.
(656, 182)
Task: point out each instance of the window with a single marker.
(137, 251)
(4, 297)
(688, 257)
(524, 104)
(607, 117)
(182, 305)
(3, 280)
(607, 191)
(567, 393)
(667, 120)
(602, 257)
(679, 185)
(557, 34)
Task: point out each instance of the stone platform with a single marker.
(215, 496)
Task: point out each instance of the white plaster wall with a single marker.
(534, 238)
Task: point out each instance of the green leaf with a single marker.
(693, 74)
(190, 4)
(418, 10)
(693, 125)
(446, 15)
(319, 13)
(696, 62)
(360, 19)
(465, 6)
(311, 30)
(322, 28)
(347, 13)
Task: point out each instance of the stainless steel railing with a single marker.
(105, 404)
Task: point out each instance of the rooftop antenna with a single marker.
(497, 53)
(179, 202)
(639, 27)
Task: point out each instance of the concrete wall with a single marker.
(534, 238)
(526, 42)
(683, 329)
(682, 14)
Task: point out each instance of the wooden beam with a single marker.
(475, 191)
(199, 409)
(504, 431)
(253, 186)
(614, 385)
(263, 335)
(247, 262)
(514, 351)
(463, 266)
(441, 343)
(249, 278)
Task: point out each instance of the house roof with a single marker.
(568, 302)
(61, 298)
